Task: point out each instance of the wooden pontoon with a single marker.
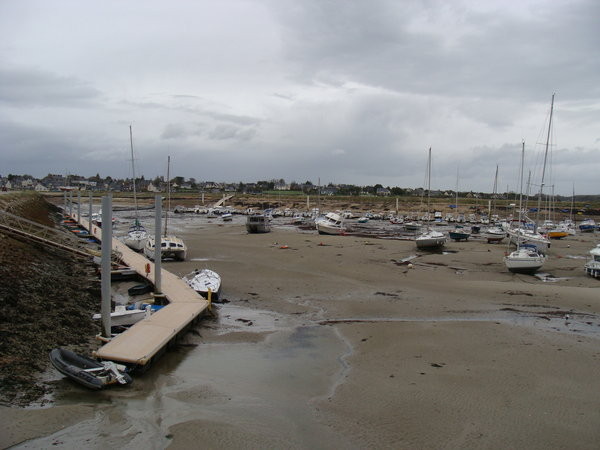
(149, 337)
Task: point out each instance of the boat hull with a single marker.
(171, 247)
(557, 234)
(330, 224)
(204, 280)
(258, 224)
(459, 236)
(593, 269)
(524, 261)
(328, 229)
(431, 240)
(135, 243)
(85, 371)
(412, 226)
(123, 317)
(587, 228)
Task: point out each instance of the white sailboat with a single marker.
(524, 259)
(203, 281)
(430, 239)
(137, 236)
(532, 236)
(171, 246)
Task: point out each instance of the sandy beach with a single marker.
(332, 341)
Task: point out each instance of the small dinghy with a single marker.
(86, 371)
(203, 280)
(124, 317)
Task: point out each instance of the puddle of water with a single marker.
(238, 318)
(572, 323)
(549, 278)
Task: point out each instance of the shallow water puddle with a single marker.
(564, 322)
(238, 318)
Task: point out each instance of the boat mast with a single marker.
(495, 191)
(545, 158)
(428, 186)
(168, 194)
(319, 196)
(133, 173)
(572, 201)
(519, 231)
(456, 203)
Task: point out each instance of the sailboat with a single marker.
(171, 246)
(526, 258)
(526, 235)
(137, 235)
(430, 239)
(494, 233)
(459, 233)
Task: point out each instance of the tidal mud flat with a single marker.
(333, 341)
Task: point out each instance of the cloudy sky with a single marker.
(347, 91)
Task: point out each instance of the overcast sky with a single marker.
(346, 91)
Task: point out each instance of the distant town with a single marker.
(55, 183)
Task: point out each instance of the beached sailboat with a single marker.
(203, 281)
(136, 235)
(430, 239)
(548, 224)
(525, 259)
(171, 246)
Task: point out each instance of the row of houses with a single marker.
(53, 182)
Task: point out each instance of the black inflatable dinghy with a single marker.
(86, 371)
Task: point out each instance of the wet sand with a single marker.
(328, 341)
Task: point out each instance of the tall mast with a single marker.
(456, 190)
(428, 185)
(521, 194)
(545, 157)
(572, 201)
(133, 173)
(319, 196)
(495, 190)
(168, 193)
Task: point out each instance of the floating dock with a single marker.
(149, 337)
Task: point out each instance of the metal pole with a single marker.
(65, 203)
(157, 242)
(70, 203)
(106, 255)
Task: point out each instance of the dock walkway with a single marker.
(143, 340)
